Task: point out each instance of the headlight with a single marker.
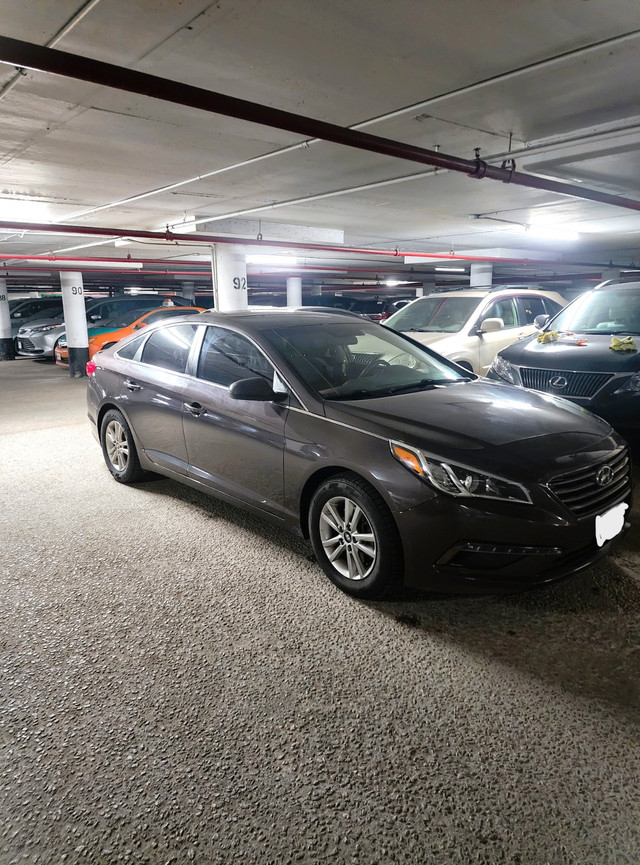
(42, 328)
(62, 343)
(457, 480)
(632, 384)
(503, 369)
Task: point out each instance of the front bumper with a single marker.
(35, 345)
(497, 549)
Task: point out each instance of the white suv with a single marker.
(469, 326)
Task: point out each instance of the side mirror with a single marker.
(541, 320)
(491, 325)
(257, 389)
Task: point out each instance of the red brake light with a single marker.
(91, 367)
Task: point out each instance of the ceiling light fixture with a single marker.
(275, 260)
(90, 265)
(451, 269)
(537, 230)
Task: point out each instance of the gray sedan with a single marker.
(401, 468)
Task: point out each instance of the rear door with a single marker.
(153, 392)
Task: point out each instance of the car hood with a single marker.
(565, 354)
(443, 339)
(39, 322)
(489, 424)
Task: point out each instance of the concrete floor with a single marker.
(180, 683)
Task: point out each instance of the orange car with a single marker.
(102, 337)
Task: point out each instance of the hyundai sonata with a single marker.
(401, 467)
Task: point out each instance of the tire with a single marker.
(119, 449)
(355, 538)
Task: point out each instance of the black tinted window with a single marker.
(530, 307)
(226, 357)
(169, 347)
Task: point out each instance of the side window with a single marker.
(169, 347)
(226, 357)
(529, 307)
(129, 350)
(551, 307)
(505, 308)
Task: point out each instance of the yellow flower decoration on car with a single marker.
(548, 336)
(625, 344)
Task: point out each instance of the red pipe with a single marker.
(28, 55)
(167, 236)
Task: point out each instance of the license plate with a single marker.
(610, 523)
(57, 355)
(19, 343)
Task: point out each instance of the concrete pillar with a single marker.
(610, 273)
(428, 285)
(75, 322)
(481, 274)
(7, 351)
(229, 272)
(294, 291)
(188, 290)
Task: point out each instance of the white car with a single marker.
(470, 326)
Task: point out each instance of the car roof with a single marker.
(261, 318)
(617, 283)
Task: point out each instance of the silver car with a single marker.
(27, 309)
(39, 338)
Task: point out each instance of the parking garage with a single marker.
(181, 682)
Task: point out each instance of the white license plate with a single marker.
(19, 343)
(57, 355)
(610, 523)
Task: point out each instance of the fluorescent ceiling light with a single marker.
(184, 227)
(551, 232)
(19, 210)
(275, 260)
(451, 269)
(90, 265)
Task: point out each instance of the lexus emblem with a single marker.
(604, 476)
(558, 382)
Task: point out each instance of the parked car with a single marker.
(400, 466)
(470, 326)
(117, 328)
(376, 308)
(589, 353)
(27, 309)
(39, 339)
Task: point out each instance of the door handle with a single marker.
(132, 385)
(195, 409)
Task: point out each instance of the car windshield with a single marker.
(434, 314)
(608, 311)
(124, 319)
(347, 360)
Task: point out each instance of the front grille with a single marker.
(578, 384)
(27, 344)
(584, 496)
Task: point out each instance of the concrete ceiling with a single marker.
(551, 85)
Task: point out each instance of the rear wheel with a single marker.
(355, 538)
(119, 449)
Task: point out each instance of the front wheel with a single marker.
(119, 449)
(355, 538)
